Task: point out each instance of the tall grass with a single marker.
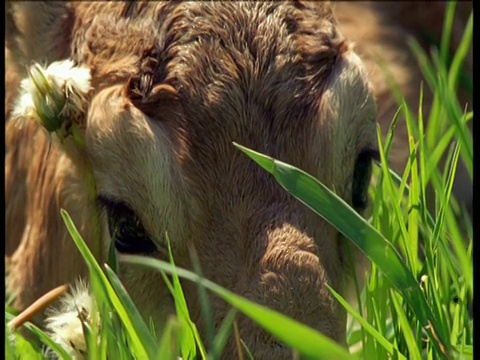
(417, 298)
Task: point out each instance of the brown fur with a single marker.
(275, 77)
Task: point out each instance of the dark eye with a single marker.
(361, 178)
(126, 229)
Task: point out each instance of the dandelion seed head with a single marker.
(54, 95)
(63, 322)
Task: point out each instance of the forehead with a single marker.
(256, 70)
(204, 43)
(273, 76)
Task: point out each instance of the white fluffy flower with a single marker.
(55, 95)
(75, 78)
(64, 323)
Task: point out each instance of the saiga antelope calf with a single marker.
(170, 87)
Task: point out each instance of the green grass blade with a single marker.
(392, 192)
(369, 328)
(204, 300)
(169, 348)
(142, 350)
(414, 199)
(10, 352)
(455, 113)
(413, 349)
(131, 309)
(222, 335)
(447, 31)
(391, 131)
(190, 337)
(44, 338)
(308, 342)
(448, 191)
(460, 55)
(28, 350)
(373, 244)
(247, 351)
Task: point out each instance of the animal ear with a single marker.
(38, 30)
(159, 101)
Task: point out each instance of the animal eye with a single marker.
(126, 229)
(361, 178)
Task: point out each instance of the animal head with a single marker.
(173, 85)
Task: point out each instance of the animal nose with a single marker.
(293, 281)
(291, 278)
